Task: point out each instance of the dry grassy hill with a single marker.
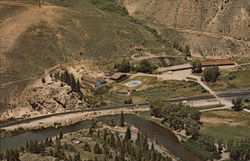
(33, 40)
(218, 27)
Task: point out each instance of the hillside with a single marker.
(219, 27)
(34, 40)
(98, 33)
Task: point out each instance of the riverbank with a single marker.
(179, 134)
(68, 119)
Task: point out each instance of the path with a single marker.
(210, 34)
(186, 74)
(147, 55)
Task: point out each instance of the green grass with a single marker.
(196, 148)
(232, 79)
(232, 125)
(152, 89)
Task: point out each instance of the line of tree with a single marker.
(178, 116)
(123, 148)
(144, 66)
(70, 80)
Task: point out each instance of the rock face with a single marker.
(55, 97)
(228, 20)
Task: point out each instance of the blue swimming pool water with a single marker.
(133, 83)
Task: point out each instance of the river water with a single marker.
(163, 136)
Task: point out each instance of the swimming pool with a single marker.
(133, 83)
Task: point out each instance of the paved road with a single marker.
(193, 98)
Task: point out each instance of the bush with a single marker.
(196, 67)
(43, 80)
(211, 74)
(129, 101)
(145, 67)
(237, 103)
(124, 66)
(187, 51)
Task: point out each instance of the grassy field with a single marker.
(226, 125)
(152, 89)
(235, 79)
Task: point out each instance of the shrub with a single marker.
(211, 74)
(145, 67)
(124, 66)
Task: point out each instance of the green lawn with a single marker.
(226, 125)
(152, 89)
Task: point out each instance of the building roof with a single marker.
(217, 63)
(175, 68)
(117, 75)
(92, 80)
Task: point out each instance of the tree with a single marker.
(97, 149)
(43, 80)
(86, 147)
(196, 67)
(187, 51)
(128, 134)
(91, 131)
(138, 138)
(60, 135)
(237, 104)
(128, 101)
(211, 74)
(124, 66)
(145, 67)
(77, 157)
(122, 120)
(40, 3)
(193, 128)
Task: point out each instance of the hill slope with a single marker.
(218, 27)
(34, 40)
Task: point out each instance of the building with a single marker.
(222, 63)
(94, 82)
(118, 77)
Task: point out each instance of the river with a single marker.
(163, 136)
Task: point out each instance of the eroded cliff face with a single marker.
(226, 19)
(229, 17)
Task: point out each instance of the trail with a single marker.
(147, 55)
(210, 34)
